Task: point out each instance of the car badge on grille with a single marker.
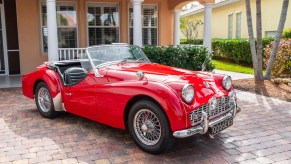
(206, 85)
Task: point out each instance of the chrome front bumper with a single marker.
(203, 127)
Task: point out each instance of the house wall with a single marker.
(271, 11)
(29, 28)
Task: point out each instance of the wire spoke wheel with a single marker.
(147, 127)
(44, 99)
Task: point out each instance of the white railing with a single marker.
(72, 53)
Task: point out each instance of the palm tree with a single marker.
(257, 51)
(259, 40)
(255, 56)
(278, 39)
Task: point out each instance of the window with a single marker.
(230, 26)
(66, 22)
(238, 25)
(149, 25)
(103, 24)
(270, 34)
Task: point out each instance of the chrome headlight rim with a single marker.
(225, 80)
(185, 93)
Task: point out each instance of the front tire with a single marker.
(149, 127)
(44, 101)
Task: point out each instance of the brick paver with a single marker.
(261, 134)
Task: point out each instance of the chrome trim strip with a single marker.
(203, 127)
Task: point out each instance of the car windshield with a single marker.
(103, 55)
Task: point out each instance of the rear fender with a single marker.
(50, 78)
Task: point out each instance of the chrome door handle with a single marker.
(69, 94)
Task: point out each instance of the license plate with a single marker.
(221, 126)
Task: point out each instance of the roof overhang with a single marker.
(217, 5)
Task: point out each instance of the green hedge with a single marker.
(188, 57)
(194, 42)
(237, 50)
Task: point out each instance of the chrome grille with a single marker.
(221, 108)
(196, 115)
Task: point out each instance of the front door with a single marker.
(3, 52)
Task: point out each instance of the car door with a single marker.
(80, 99)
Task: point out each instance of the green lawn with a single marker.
(227, 66)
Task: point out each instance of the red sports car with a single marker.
(117, 85)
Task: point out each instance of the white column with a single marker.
(177, 27)
(137, 24)
(149, 31)
(207, 26)
(52, 31)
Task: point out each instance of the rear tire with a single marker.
(44, 101)
(149, 127)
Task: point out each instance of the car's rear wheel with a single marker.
(149, 127)
(44, 101)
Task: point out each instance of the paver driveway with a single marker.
(261, 133)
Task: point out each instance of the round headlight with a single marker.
(188, 93)
(227, 82)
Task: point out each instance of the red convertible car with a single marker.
(117, 85)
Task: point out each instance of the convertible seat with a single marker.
(74, 75)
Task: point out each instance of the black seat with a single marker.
(74, 75)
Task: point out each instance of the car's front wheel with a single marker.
(44, 101)
(149, 127)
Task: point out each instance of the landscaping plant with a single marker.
(190, 28)
(188, 57)
(282, 65)
(287, 33)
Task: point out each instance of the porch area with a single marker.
(60, 30)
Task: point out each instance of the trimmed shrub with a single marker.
(287, 33)
(237, 50)
(282, 64)
(188, 57)
(194, 42)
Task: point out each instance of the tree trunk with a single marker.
(278, 39)
(252, 41)
(259, 40)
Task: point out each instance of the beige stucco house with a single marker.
(34, 31)
(229, 18)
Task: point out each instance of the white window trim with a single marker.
(228, 29)
(128, 22)
(102, 4)
(236, 27)
(40, 18)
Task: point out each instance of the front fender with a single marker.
(164, 95)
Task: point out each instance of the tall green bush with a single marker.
(188, 57)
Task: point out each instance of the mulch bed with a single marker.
(266, 88)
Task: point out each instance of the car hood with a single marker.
(157, 72)
(176, 78)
